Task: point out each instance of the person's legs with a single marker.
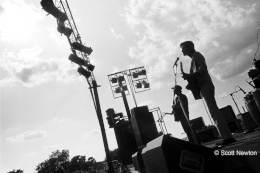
(208, 93)
(188, 130)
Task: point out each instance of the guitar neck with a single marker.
(182, 71)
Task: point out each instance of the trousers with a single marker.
(207, 92)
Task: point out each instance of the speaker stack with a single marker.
(143, 125)
(230, 117)
(125, 141)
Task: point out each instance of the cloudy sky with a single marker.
(45, 105)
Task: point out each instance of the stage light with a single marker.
(114, 80)
(82, 48)
(84, 72)
(146, 84)
(138, 85)
(118, 90)
(135, 75)
(63, 29)
(142, 72)
(74, 58)
(49, 7)
(90, 67)
(121, 78)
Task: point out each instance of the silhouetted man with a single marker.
(180, 110)
(198, 70)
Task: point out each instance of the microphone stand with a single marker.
(192, 135)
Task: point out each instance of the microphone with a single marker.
(176, 61)
(242, 90)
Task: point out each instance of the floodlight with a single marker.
(114, 80)
(90, 67)
(135, 75)
(84, 72)
(82, 48)
(146, 84)
(138, 85)
(63, 29)
(142, 72)
(121, 78)
(118, 90)
(49, 7)
(74, 58)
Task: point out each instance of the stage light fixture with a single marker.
(135, 75)
(63, 29)
(138, 85)
(142, 72)
(82, 48)
(49, 7)
(146, 84)
(114, 80)
(84, 72)
(74, 58)
(121, 78)
(124, 87)
(90, 67)
(118, 90)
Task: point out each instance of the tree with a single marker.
(58, 162)
(16, 171)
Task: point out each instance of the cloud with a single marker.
(26, 136)
(29, 67)
(221, 30)
(19, 21)
(117, 35)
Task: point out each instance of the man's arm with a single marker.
(200, 63)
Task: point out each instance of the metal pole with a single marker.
(235, 102)
(125, 101)
(101, 123)
(130, 81)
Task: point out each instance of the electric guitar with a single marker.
(192, 85)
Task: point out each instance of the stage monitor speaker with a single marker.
(166, 154)
(197, 124)
(125, 141)
(143, 124)
(230, 117)
(207, 134)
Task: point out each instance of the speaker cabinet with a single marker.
(232, 122)
(143, 124)
(166, 154)
(197, 124)
(125, 141)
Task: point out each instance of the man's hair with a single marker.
(187, 44)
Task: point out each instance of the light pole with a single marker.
(80, 53)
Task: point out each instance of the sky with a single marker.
(45, 105)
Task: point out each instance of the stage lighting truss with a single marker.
(139, 79)
(118, 84)
(60, 10)
(135, 78)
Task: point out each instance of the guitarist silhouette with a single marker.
(199, 73)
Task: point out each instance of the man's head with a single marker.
(187, 48)
(177, 89)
